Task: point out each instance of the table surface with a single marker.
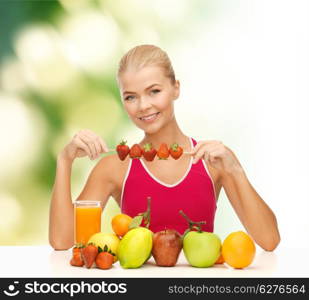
(43, 261)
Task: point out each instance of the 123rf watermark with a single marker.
(258, 289)
(70, 289)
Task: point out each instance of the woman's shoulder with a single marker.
(112, 167)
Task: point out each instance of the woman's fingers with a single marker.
(95, 143)
(100, 145)
(214, 155)
(196, 148)
(82, 145)
(90, 143)
(209, 152)
(97, 146)
(201, 144)
(95, 140)
(201, 152)
(103, 145)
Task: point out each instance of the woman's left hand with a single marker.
(217, 154)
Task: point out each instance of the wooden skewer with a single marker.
(111, 150)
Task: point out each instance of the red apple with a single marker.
(167, 245)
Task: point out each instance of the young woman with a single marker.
(192, 183)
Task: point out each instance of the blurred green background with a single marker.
(58, 61)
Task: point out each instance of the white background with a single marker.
(244, 81)
(249, 88)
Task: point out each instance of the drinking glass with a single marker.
(87, 220)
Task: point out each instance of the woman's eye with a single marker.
(129, 97)
(155, 91)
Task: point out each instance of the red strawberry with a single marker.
(148, 152)
(175, 151)
(163, 152)
(104, 260)
(77, 248)
(136, 151)
(77, 260)
(122, 150)
(89, 254)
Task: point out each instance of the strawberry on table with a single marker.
(136, 151)
(89, 254)
(77, 260)
(149, 152)
(163, 152)
(123, 150)
(105, 258)
(77, 248)
(175, 151)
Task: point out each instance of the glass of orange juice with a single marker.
(87, 220)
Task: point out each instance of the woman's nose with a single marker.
(144, 103)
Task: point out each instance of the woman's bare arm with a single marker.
(99, 186)
(254, 213)
(61, 214)
(61, 207)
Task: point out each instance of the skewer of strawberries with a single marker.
(148, 151)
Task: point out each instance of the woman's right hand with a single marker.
(84, 143)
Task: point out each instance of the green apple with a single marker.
(201, 248)
(135, 248)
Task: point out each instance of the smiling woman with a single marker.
(148, 86)
(191, 183)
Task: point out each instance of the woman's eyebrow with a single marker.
(151, 86)
(147, 88)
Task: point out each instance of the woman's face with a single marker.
(148, 97)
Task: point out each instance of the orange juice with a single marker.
(87, 220)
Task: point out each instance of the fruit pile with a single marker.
(148, 152)
(90, 254)
(134, 243)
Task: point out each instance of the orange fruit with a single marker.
(121, 223)
(238, 250)
(220, 260)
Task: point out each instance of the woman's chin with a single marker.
(150, 129)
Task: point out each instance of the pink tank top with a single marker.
(194, 194)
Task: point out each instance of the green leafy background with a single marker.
(58, 61)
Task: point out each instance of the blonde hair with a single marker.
(146, 55)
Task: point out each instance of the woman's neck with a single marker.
(169, 134)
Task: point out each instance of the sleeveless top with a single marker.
(194, 194)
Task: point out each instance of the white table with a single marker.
(43, 261)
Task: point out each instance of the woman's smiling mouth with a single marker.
(150, 118)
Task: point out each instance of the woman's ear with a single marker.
(176, 90)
